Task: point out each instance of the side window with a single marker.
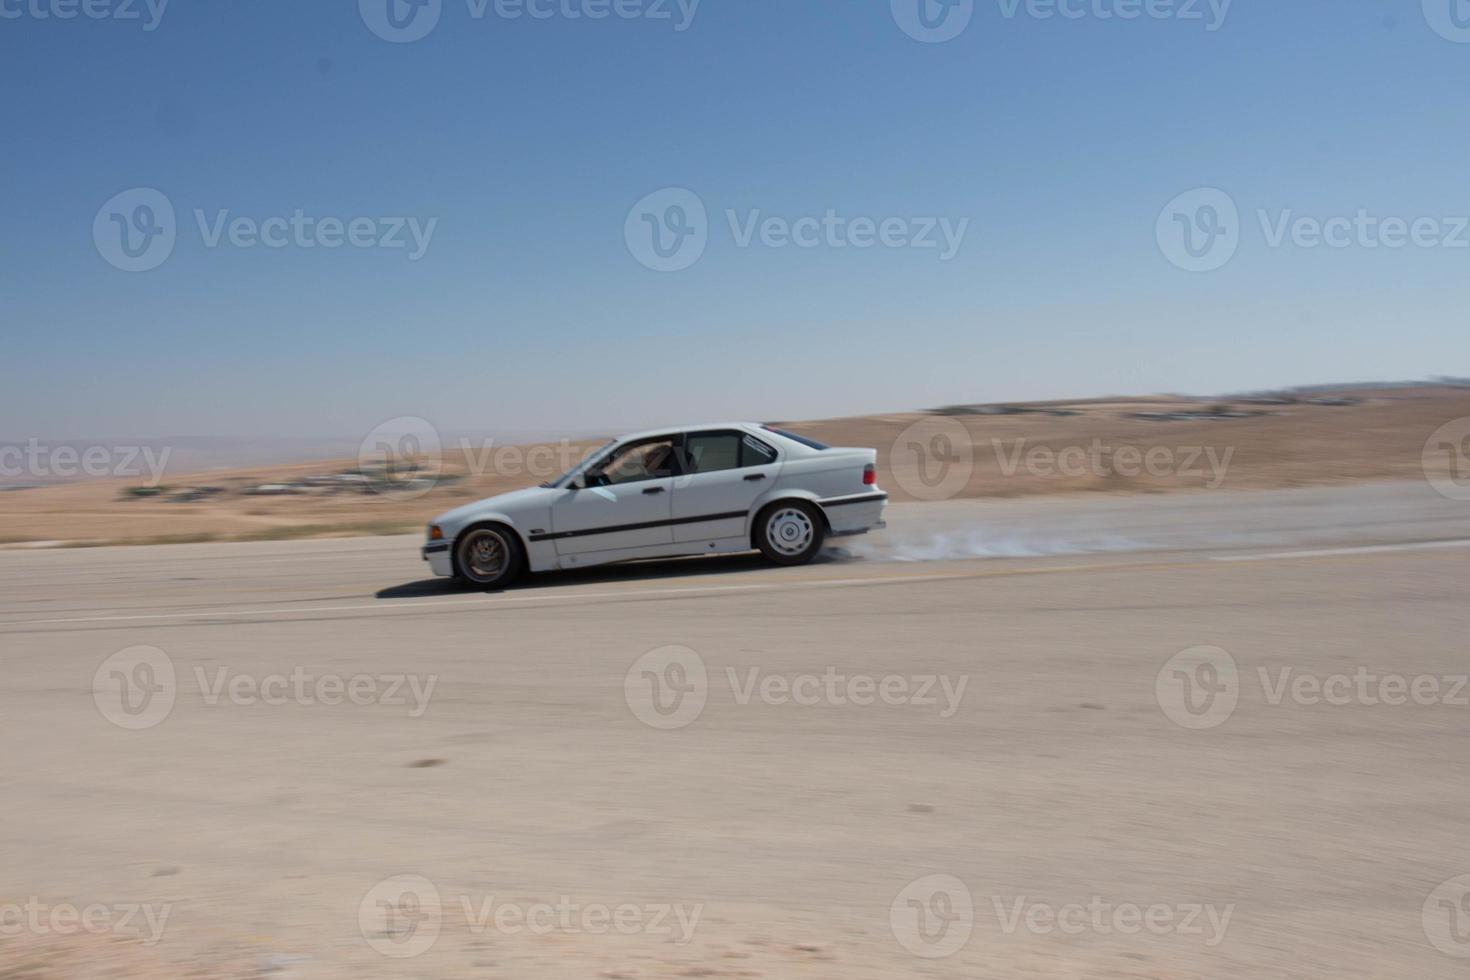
(643, 461)
(711, 452)
(753, 452)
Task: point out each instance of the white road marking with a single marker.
(1363, 550)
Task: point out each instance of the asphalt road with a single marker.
(1213, 735)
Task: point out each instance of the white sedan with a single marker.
(706, 490)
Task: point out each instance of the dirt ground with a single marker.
(1056, 766)
(1055, 448)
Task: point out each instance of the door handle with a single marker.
(652, 490)
(755, 476)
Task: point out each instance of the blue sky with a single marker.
(526, 142)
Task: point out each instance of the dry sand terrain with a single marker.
(1296, 839)
(961, 456)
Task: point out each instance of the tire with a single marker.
(488, 557)
(790, 532)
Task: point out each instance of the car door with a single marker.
(626, 504)
(726, 470)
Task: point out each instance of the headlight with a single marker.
(436, 533)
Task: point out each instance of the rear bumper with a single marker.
(436, 553)
(855, 513)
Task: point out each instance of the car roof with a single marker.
(669, 430)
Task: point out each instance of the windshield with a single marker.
(566, 478)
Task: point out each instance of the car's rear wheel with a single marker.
(790, 533)
(488, 557)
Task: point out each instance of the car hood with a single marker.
(506, 503)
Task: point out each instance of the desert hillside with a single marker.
(1137, 445)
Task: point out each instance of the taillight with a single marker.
(870, 475)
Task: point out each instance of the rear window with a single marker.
(809, 443)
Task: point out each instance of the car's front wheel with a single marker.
(790, 533)
(488, 557)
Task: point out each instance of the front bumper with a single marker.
(436, 553)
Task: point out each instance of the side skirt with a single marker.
(679, 549)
